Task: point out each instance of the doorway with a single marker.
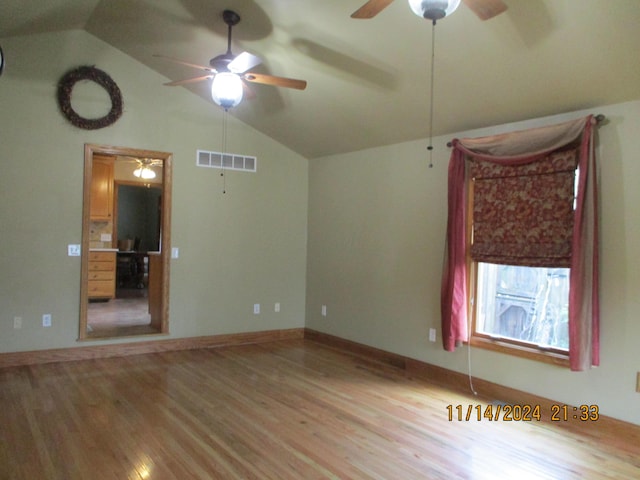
(125, 244)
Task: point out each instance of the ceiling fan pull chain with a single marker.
(225, 112)
(433, 54)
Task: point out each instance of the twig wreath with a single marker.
(65, 88)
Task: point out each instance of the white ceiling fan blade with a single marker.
(243, 62)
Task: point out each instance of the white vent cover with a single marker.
(228, 161)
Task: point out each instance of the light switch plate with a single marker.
(175, 252)
(73, 250)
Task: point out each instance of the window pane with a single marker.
(528, 304)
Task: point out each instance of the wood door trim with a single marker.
(165, 235)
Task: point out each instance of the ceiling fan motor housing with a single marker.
(221, 62)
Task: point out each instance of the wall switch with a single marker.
(17, 322)
(256, 308)
(175, 252)
(324, 310)
(73, 250)
(105, 237)
(276, 307)
(432, 334)
(46, 320)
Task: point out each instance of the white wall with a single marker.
(377, 222)
(245, 247)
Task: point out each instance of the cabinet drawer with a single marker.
(102, 256)
(101, 275)
(101, 288)
(104, 266)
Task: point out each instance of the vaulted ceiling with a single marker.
(368, 80)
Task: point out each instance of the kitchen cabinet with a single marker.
(101, 200)
(102, 275)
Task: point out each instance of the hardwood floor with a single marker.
(284, 410)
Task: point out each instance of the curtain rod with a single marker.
(599, 118)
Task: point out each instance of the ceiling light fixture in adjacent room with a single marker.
(144, 172)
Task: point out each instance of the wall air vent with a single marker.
(228, 161)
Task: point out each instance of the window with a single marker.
(523, 306)
(518, 239)
(516, 307)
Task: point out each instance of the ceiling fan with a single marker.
(434, 9)
(229, 71)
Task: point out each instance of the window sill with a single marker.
(522, 351)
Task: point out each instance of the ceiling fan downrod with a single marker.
(231, 18)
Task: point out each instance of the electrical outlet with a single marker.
(73, 250)
(432, 334)
(256, 308)
(324, 310)
(276, 307)
(17, 322)
(46, 320)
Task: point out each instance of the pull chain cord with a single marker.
(433, 55)
(469, 325)
(224, 149)
(473, 390)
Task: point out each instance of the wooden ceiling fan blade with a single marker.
(182, 62)
(243, 62)
(188, 80)
(486, 9)
(276, 81)
(371, 9)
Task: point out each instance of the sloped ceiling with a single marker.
(368, 79)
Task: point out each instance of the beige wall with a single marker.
(245, 247)
(377, 220)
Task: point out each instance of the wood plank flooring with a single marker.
(285, 410)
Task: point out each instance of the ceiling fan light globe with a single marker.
(145, 173)
(433, 9)
(226, 90)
